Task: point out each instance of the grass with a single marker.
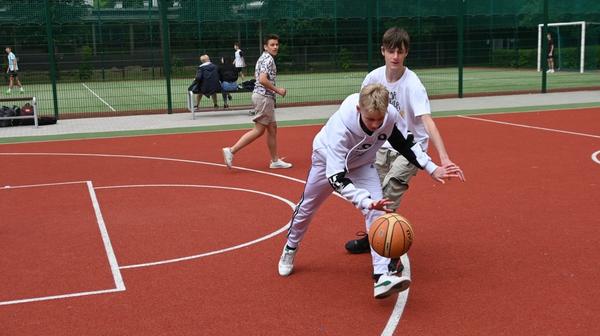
(124, 97)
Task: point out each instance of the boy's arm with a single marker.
(264, 80)
(411, 151)
(436, 138)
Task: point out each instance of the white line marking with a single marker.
(41, 185)
(532, 127)
(120, 286)
(110, 253)
(392, 323)
(102, 100)
(400, 302)
(168, 261)
(596, 157)
(54, 297)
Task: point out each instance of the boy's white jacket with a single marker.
(342, 145)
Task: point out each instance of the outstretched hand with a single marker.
(446, 172)
(381, 205)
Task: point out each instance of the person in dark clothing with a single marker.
(228, 75)
(207, 79)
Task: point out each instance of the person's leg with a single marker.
(248, 137)
(395, 183)
(214, 99)
(383, 161)
(316, 191)
(272, 141)
(197, 97)
(386, 283)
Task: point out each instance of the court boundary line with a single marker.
(529, 126)
(97, 96)
(119, 284)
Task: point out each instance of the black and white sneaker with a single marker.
(360, 245)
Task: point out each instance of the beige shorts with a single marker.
(265, 109)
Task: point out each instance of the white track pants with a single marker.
(317, 190)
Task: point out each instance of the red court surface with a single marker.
(512, 251)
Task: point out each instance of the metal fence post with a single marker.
(51, 59)
(166, 42)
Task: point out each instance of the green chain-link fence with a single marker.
(108, 57)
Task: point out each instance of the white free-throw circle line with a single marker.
(197, 256)
(596, 157)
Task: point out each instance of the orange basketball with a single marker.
(391, 235)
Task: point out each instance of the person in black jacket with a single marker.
(207, 79)
(228, 75)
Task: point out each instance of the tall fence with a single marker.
(84, 58)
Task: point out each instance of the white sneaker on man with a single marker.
(280, 164)
(228, 157)
(286, 262)
(389, 284)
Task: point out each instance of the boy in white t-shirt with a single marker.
(409, 97)
(239, 61)
(12, 70)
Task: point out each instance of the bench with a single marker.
(190, 99)
(32, 100)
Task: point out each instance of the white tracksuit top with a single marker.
(342, 145)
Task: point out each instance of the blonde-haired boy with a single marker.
(342, 160)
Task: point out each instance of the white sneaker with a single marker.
(228, 157)
(389, 284)
(286, 262)
(280, 164)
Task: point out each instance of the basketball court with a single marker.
(153, 235)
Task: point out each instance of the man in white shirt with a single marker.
(12, 71)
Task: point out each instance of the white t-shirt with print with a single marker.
(12, 62)
(409, 97)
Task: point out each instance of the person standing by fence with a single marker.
(263, 99)
(239, 61)
(12, 70)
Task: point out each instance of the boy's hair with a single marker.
(395, 37)
(237, 44)
(270, 37)
(374, 98)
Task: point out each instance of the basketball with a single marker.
(391, 235)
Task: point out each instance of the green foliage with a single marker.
(344, 59)
(567, 58)
(85, 67)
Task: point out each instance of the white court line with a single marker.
(120, 286)
(400, 301)
(595, 157)
(110, 253)
(394, 319)
(532, 127)
(41, 185)
(174, 260)
(102, 100)
(64, 296)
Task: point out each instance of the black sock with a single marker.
(376, 277)
(290, 248)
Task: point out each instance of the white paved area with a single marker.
(184, 120)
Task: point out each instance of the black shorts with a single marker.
(239, 69)
(13, 73)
